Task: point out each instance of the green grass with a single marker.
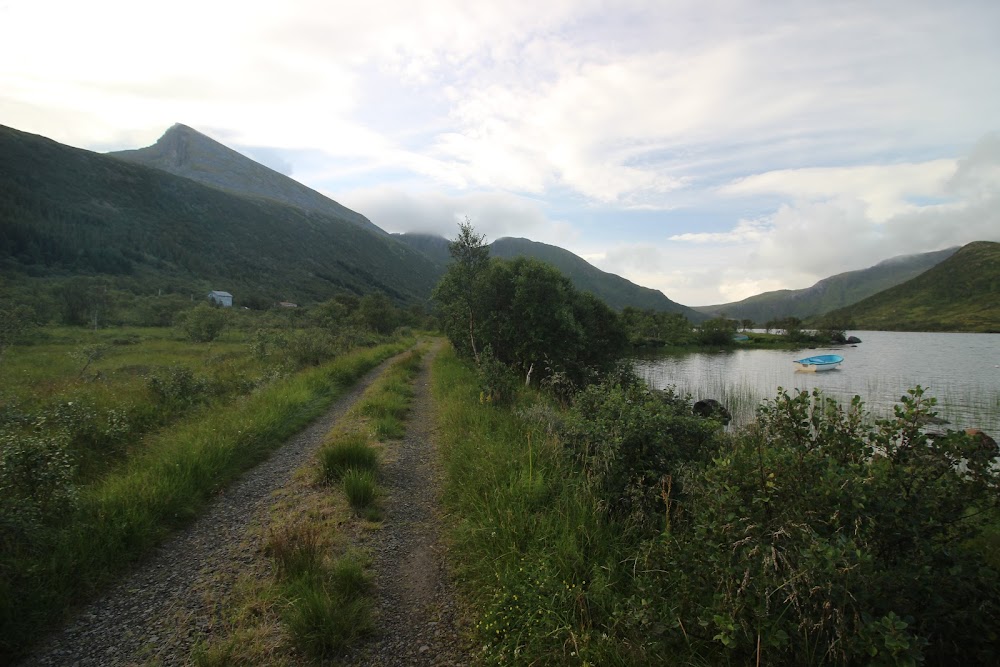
(540, 567)
(360, 488)
(124, 514)
(330, 610)
(350, 450)
(326, 604)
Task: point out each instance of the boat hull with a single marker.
(816, 368)
(818, 364)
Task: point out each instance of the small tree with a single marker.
(456, 294)
(203, 323)
(716, 332)
(376, 312)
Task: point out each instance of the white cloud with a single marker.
(494, 214)
(885, 190)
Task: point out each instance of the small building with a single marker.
(224, 299)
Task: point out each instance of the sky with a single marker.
(709, 149)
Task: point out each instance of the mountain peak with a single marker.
(184, 151)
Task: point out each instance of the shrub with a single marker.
(36, 488)
(177, 387)
(630, 440)
(311, 347)
(265, 343)
(203, 323)
(844, 541)
(497, 382)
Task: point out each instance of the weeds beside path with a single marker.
(156, 613)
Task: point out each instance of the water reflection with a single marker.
(961, 370)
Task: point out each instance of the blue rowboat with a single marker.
(822, 362)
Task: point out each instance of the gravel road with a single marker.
(157, 612)
(419, 622)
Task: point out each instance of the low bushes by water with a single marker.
(817, 536)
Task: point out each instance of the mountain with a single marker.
(185, 152)
(830, 293)
(959, 294)
(435, 247)
(614, 290)
(66, 211)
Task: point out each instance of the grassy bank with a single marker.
(114, 520)
(533, 553)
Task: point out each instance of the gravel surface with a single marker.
(157, 612)
(419, 622)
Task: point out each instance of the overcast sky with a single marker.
(712, 150)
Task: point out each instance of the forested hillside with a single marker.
(65, 211)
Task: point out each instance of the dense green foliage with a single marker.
(67, 212)
(529, 315)
(627, 531)
(959, 294)
(830, 293)
(648, 328)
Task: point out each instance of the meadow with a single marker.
(111, 438)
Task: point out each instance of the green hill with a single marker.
(959, 294)
(830, 293)
(614, 290)
(66, 211)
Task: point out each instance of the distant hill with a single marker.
(830, 293)
(435, 247)
(962, 293)
(66, 211)
(614, 290)
(186, 152)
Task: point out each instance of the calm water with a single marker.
(961, 370)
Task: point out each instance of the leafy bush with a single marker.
(203, 323)
(36, 488)
(177, 387)
(265, 343)
(311, 347)
(630, 442)
(497, 382)
(841, 541)
(716, 332)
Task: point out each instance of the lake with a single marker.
(961, 370)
